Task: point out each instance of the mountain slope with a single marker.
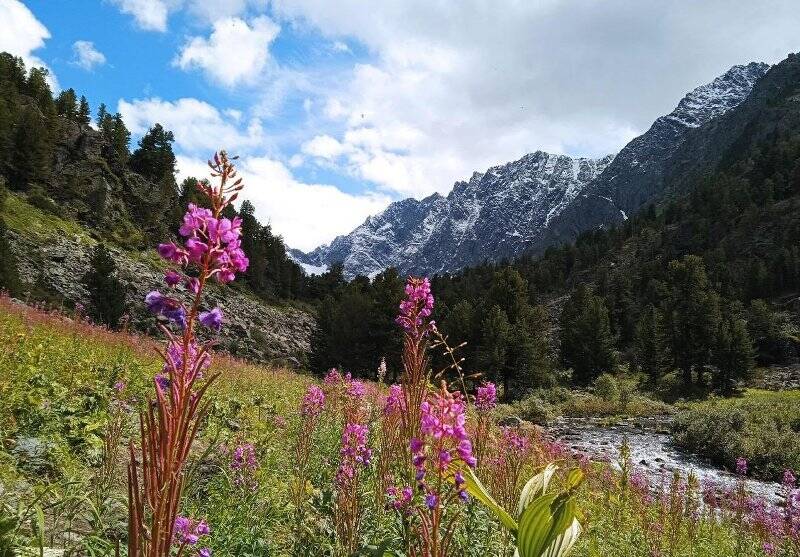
(530, 204)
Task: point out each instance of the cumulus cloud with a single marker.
(235, 52)
(23, 34)
(199, 127)
(460, 86)
(306, 215)
(86, 56)
(150, 15)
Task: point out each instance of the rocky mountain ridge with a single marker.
(253, 329)
(527, 205)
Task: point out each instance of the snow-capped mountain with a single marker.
(532, 203)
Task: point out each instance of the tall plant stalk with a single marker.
(169, 424)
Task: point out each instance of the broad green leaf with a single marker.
(564, 542)
(536, 487)
(545, 520)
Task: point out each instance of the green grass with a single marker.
(21, 216)
(761, 426)
(56, 379)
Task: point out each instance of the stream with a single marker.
(651, 451)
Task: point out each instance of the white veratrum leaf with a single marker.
(563, 543)
(536, 487)
(544, 520)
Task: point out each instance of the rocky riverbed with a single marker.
(651, 450)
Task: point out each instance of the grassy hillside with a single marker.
(59, 452)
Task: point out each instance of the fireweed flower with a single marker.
(417, 306)
(741, 466)
(355, 455)
(313, 402)
(444, 440)
(486, 398)
(210, 249)
(243, 465)
(188, 531)
(211, 319)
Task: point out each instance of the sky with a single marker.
(338, 108)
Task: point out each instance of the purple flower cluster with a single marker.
(444, 439)
(514, 441)
(417, 306)
(741, 466)
(354, 452)
(244, 465)
(394, 402)
(206, 236)
(400, 498)
(189, 532)
(196, 365)
(486, 398)
(170, 308)
(313, 402)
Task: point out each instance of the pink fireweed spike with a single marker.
(211, 250)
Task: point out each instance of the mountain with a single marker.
(528, 205)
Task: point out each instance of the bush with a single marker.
(535, 410)
(762, 426)
(39, 199)
(606, 387)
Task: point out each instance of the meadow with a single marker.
(64, 482)
(116, 444)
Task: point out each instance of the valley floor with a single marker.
(62, 486)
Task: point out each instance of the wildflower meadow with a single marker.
(115, 444)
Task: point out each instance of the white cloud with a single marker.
(453, 87)
(150, 15)
(87, 56)
(199, 128)
(306, 215)
(325, 147)
(235, 52)
(340, 46)
(23, 34)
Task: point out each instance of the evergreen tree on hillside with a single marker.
(650, 343)
(84, 116)
(120, 139)
(9, 278)
(103, 118)
(733, 354)
(154, 158)
(587, 345)
(494, 345)
(107, 292)
(692, 316)
(530, 363)
(32, 152)
(67, 104)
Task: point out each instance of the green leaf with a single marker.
(536, 487)
(543, 527)
(475, 488)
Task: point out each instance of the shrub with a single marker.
(762, 427)
(606, 387)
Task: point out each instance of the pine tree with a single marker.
(529, 351)
(154, 158)
(692, 316)
(9, 277)
(105, 289)
(733, 354)
(102, 115)
(587, 345)
(650, 344)
(67, 104)
(493, 351)
(32, 152)
(84, 117)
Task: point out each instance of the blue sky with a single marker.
(339, 108)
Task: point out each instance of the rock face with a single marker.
(252, 329)
(538, 201)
